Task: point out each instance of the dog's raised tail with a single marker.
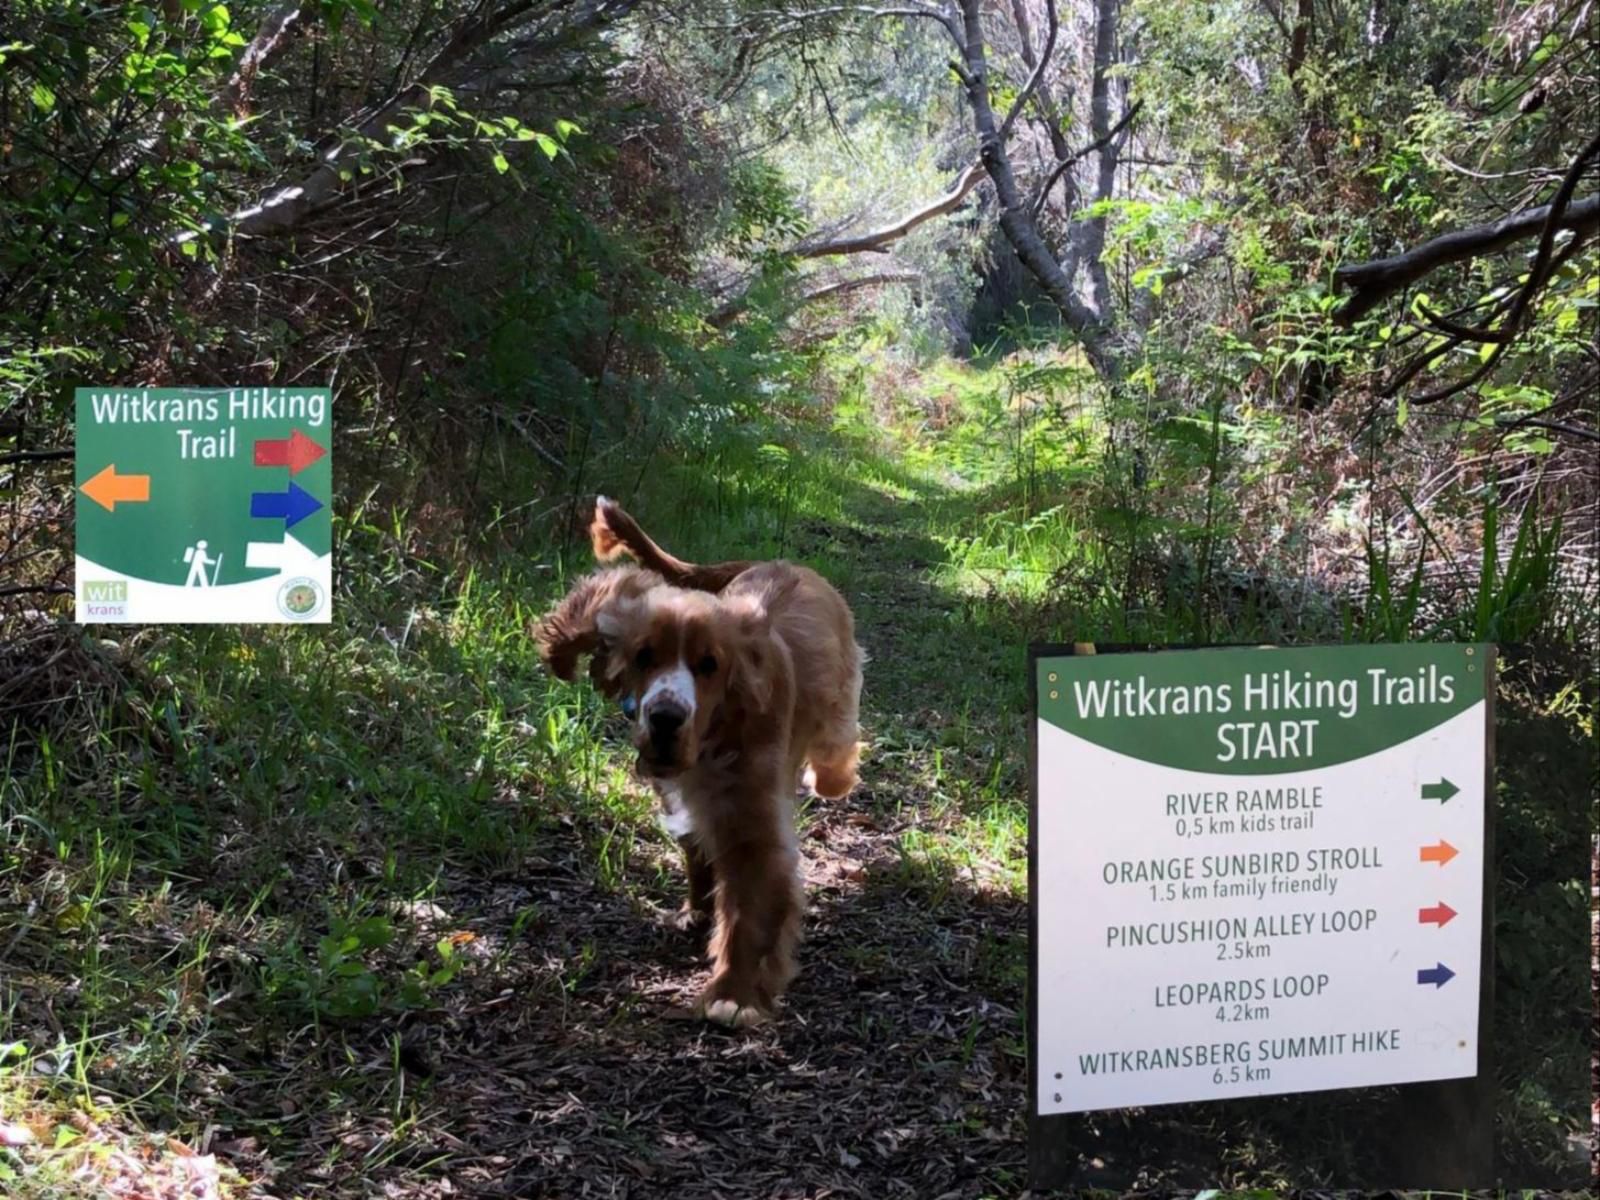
(614, 533)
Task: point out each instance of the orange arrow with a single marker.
(1441, 853)
(106, 488)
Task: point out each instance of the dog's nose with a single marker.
(665, 721)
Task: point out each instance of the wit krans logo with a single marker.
(300, 598)
(103, 598)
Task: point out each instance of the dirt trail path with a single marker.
(568, 1069)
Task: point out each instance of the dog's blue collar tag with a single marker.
(630, 707)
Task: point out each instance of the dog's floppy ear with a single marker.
(751, 673)
(756, 662)
(582, 622)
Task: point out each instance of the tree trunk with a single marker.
(1089, 236)
(1016, 214)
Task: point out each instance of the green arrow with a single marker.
(1440, 791)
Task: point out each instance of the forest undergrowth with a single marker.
(361, 910)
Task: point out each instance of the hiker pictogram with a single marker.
(198, 561)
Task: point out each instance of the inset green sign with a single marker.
(204, 505)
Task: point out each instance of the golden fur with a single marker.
(742, 685)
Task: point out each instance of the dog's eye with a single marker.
(644, 658)
(706, 666)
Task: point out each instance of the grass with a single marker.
(333, 911)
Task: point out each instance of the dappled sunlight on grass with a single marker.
(58, 1140)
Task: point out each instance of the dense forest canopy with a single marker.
(634, 211)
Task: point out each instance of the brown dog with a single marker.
(744, 675)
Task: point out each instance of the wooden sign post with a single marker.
(1256, 872)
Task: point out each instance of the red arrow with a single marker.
(1439, 915)
(1440, 852)
(297, 452)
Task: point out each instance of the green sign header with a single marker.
(1244, 712)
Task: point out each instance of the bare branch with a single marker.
(725, 315)
(1051, 115)
(1037, 74)
(1098, 144)
(879, 240)
(24, 456)
(1489, 363)
(1578, 431)
(274, 36)
(863, 281)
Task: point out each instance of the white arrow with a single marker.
(290, 556)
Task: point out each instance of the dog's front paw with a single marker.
(690, 919)
(733, 1015)
(728, 1003)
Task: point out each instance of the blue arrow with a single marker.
(1438, 976)
(293, 506)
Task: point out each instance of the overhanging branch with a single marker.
(724, 316)
(1067, 163)
(1541, 259)
(1375, 281)
(287, 206)
(879, 240)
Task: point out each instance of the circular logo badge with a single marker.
(300, 598)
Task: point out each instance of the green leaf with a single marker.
(547, 144)
(566, 129)
(74, 916)
(500, 164)
(43, 98)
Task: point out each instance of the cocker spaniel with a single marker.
(738, 678)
